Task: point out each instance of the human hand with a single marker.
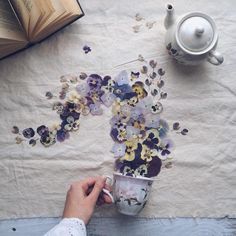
(82, 197)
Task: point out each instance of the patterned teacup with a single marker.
(130, 194)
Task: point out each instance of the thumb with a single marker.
(99, 185)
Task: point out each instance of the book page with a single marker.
(59, 11)
(72, 6)
(22, 14)
(29, 14)
(10, 29)
(47, 8)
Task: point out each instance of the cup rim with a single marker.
(132, 177)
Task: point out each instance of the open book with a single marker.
(25, 22)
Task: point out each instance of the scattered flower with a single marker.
(86, 49)
(15, 130)
(138, 17)
(49, 95)
(136, 28)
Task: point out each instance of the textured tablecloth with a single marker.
(202, 181)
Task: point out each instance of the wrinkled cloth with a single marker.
(201, 183)
(68, 227)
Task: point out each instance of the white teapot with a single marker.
(192, 38)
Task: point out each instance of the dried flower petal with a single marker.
(136, 28)
(138, 17)
(160, 83)
(32, 142)
(184, 131)
(153, 63)
(15, 130)
(18, 140)
(144, 70)
(161, 72)
(141, 58)
(163, 95)
(176, 126)
(86, 49)
(150, 24)
(49, 95)
(28, 133)
(83, 76)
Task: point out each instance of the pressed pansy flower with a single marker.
(134, 75)
(152, 121)
(58, 106)
(118, 149)
(133, 100)
(62, 135)
(132, 132)
(163, 128)
(108, 84)
(82, 89)
(70, 124)
(157, 108)
(122, 78)
(74, 97)
(148, 154)
(18, 139)
(138, 88)
(152, 139)
(128, 171)
(94, 81)
(96, 109)
(15, 130)
(165, 148)
(48, 138)
(125, 110)
(28, 133)
(154, 167)
(86, 49)
(108, 99)
(141, 170)
(145, 105)
(42, 129)
(131, 147)
(118, 134)
(123, 91)
(49, 95)
(83, 76)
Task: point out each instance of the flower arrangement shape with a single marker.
(139, 133)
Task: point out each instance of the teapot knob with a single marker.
(199, 31)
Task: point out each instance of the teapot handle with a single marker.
(215, 58)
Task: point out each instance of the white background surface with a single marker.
(33, 181)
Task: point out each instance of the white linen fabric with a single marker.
(68, 227)
(202, 181)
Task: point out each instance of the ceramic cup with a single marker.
(130, 194)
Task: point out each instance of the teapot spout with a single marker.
(170, 16)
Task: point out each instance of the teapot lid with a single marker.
(196, 33)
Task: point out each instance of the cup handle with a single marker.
(215, 58)
(105, 191)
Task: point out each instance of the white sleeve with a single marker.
(68, 227)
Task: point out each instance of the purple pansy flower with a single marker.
(86, 49)
(152, 121)
(123, 91)
(108, 99)
(96, 109)
(131, 132)
(122, 78)
(62, 135)
(28, 133)
(82, 89)
(118, 149)
(94, 81)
